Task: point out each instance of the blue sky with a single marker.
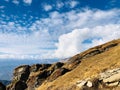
(45, 29)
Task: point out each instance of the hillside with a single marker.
(97, 68)
(91, 66)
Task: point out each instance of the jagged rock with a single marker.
(104, 81)
(57, 73)
(110, 77)
(39, 73)
(113, 78)
(112, 84)
(44, 66)
(2, 87)
(35, 67)
(18, 85)
(58, 65)
(21, 73)
(36, 78)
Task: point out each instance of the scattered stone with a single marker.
(89, 84)
(113, 78)
(112, 84)
(80, 84)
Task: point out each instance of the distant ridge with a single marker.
(5, 82)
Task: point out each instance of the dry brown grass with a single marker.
(89, 67)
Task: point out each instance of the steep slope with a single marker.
(90, 64)
(88, 70)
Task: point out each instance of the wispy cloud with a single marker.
(47, 7)
(27, 1)
(48, 37)
(2, 7)
(16, 2)
(59, 5)
(73, 4)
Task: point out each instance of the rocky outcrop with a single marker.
(57, 73)
(2, 87)
(21, 73)
(74, 61)
(29, 77)
(108, 80)
(18, 85)
(20, 77)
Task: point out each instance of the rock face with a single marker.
(111, 77)
(107, 80)
(21, 73)
(2, 87)
(20, 77)
(27, 77)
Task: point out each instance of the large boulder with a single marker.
(110, 78)
(21, 73)
(57, 73)
(18, 85)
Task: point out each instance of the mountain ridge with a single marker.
(82, 66)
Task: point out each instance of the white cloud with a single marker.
(2, 7)
(69, 30)
(47, 7)
(7, 0)
(72, 43)
(27, 1)
(59, 5)
(73, 4)
(16, 2)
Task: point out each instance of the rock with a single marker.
(57, 73)
(112, 84)
(35, 67)
(18, 85)
(44, 66)
(82, 83)
(2, 87)
(58, 65)
(110, 76)
(89, 84)
(21, 73)
(113, 78)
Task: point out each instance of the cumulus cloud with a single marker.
(59, 35)
(47, 7)
(27, 1)
(16, 2)
(81, 39)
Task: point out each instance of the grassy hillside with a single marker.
(89, 67)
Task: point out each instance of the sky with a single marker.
(49, 29)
